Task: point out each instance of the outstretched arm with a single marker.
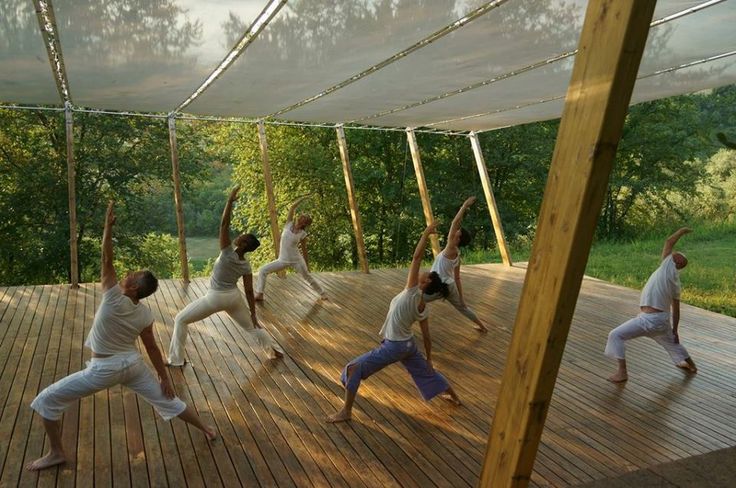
(305, 252)
(424, 325)
(416, 260)
(108, 278)
(225, 220)
(154, 353)
(250, 297)
(455, 225)
(676, 320)
(294, 206)
(669, 244)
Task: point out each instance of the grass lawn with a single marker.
(709, 280)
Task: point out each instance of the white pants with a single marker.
(654, 325)
(454, 298)
(126, 369)
(230, 301)
(274, 266)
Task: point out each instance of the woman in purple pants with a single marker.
(398, 340)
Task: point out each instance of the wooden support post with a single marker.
(275, 233)
(354, 213)
(611, 45)
(177, 200)
(503, 248)
(71, 175)
(422, 183)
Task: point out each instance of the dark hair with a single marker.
(147, 284)
(436, 285)
(252, 243)
(465, 237)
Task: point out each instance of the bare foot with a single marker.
(210, 433)
(49, 460)
(258, 297)
(324, 297)
(684, 365)
(451, 398)
(618, 377)
(276, 354)
(481, 328)
(341, 416)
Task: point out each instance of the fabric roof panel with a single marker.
(315, 44)
(26, 76)
(146, 56)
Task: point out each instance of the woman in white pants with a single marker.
(293, 234)
(223, 295)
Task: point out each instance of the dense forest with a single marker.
(670, 167)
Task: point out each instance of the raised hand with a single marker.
(234, 193)
(467, 203)
(110, 214)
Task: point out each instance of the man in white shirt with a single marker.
(118, 323)
(660, 294)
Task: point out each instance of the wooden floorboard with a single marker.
(270, 414)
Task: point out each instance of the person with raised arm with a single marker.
(293, 235)
(398, 344)
(223, 294)
(119, 321)
(447, 265)
(660, 295)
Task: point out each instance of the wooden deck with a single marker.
(271, 414)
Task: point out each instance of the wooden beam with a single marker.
(71, 175)
(422, 183)
(503, 248)
(349, 185)
(611, 45)
(177, 201)
(275, 232)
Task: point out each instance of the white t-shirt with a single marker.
(228, 269)
(445, 267)
(402, 313)
(662, 287)
(118, 323)
(289, 249)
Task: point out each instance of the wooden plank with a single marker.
(422, 184)
(183, 260)
(16, 420)
(268, 182)
(85, 468)
(485, 180)
(347, 171)
(71, 196)
(611, 44)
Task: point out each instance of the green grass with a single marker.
(709, 281)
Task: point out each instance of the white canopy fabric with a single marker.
(453, 65)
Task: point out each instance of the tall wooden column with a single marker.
(354, 213)
(503, 248)
(275, 233)
(422, 183)
(611, 45)
(177, 200)
(71, 175)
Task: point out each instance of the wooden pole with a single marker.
(490, 200)
(349, 185)
(71, 175)
(177, 200)
(422, 183)
(611, 45)
(275, 233)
